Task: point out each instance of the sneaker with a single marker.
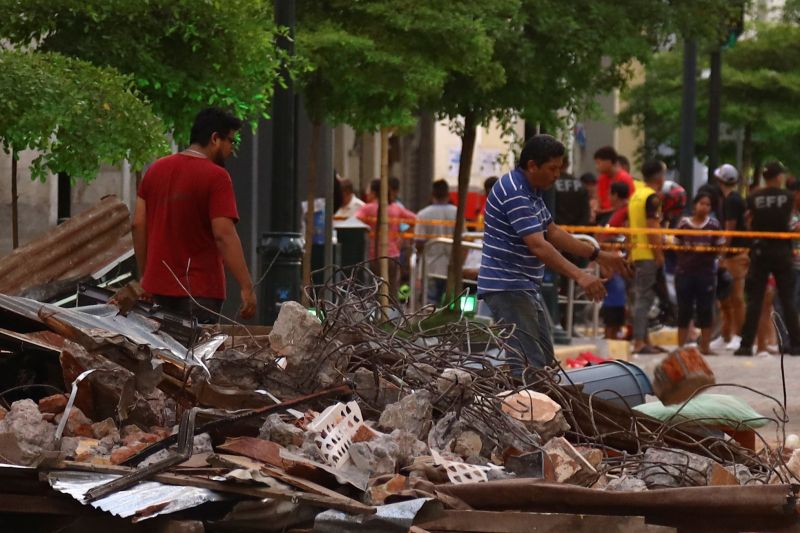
(718, 344)
(774, 349)
(736, 341)
(763, 353)
(745, 352)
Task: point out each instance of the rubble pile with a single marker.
(351, 408)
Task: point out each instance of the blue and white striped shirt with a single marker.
(513, 210)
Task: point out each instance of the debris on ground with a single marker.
(350, 414)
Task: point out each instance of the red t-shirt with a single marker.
(604, 182)
(182, 195)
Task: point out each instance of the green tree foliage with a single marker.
(183, 55)
(760, 96)
(75, 115)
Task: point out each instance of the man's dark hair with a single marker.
(540, 149)
(623, 161)
(607, 153)
(651, 169)
(441, 190)
(588, 178)
(213, 120)
(394, 184)
(772, 170)
(489, 183)
(621, 189)
(375, 186)
(347, 185)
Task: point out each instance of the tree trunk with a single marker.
(14, 202)
(311, 184)
(383, 218)
(455, 280)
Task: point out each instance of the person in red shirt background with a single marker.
(184, 232)
(606, 161)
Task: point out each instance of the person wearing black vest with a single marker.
(770, 209)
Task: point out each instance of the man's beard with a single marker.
(219, 160)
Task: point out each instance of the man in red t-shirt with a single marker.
(184, 232)
(606, 160)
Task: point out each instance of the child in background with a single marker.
(613, 310)
(696, 272)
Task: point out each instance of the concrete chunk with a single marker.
(32, 434)
(413, 413)
(569, 465)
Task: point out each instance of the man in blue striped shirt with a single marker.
(520, 239)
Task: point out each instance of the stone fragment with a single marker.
(378, 492)
(105, 428)
(376, 457)
(530, 465)
(379, 394)
(413, 413)
(741, 472)
(537, 411)
(673, 468)
(569, 466)
(53, 404)
(593, 455)
(454, 385)
(626, 483)
(468, 444)
(280, 432)
(141, 437)
(202, 444)
(78, 424)
(420, 373)
(32, 434)
(3, 412)
(69, 446)
(445, 431)
(123, 453)
(793, 464)
(409, 447)
(296, 336)
(364, 433)
(718, 475)
(601, 483)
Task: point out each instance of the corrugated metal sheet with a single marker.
(84, 244)
(145, 500)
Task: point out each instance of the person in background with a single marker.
(184, 224)
(397, 215)
(437, 257)
(737, 264)
(350, 202)
(613, 309)
(487, 188)
(794, 186)
(770, 209)
(696, 272)
(589, 182)
(644, 211)
(624, 163)
(572, 200)
(606, 161)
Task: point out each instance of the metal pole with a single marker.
(714, 106)
(686, 152)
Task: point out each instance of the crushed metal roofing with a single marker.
(103, 323)
(145, 500)
(83, 246)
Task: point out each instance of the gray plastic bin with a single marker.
(618, 382)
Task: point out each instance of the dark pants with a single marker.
(695, 294)
(532, 337)
(436, 289)
(766, 260)
(182, 305)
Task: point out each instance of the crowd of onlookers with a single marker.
(719, 290)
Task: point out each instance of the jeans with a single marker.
(696, 293)
(532, 335)
(766, 260)
(644, 294)
(183, 305)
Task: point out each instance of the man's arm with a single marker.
(567, 243)
(230, 248)
(655, 241)
(541, 248)
(139, 234)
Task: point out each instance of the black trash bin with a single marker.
(282, 254)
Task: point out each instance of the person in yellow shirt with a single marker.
(644, 211)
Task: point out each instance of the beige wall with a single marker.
(489, 144)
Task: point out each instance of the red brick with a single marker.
(53, 404)
(120, 455)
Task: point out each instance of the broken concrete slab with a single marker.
(673, 468)
(26, 426)
(78, 424)
(376, 457)
(454, 385)
(537, 411)
(468, 444)
(279, 432)
(413, 413)
(569, 465)
(626, 483)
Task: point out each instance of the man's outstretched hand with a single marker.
(614, 263)
(593, 286)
